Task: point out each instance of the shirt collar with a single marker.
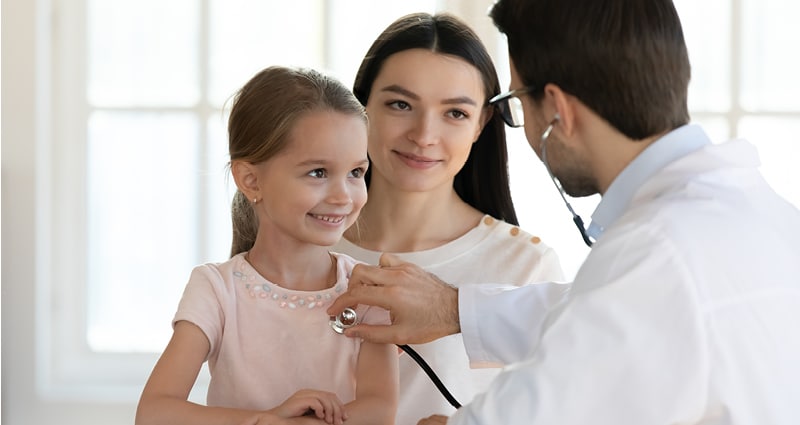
(670, 147)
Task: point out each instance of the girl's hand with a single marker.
(322, 404)
(273, 419)
(263, 419)
(434, 420)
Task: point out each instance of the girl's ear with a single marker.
(245, 175)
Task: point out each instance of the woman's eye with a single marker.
(358, 173)
(458, 114)
(318, 173)
(399, 104)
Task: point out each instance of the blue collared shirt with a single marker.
(672, 146)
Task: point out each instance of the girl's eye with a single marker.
(399, 104)
(318, 173)
(358, 173)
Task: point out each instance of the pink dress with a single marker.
(268, 342)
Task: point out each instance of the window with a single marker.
(136, 193)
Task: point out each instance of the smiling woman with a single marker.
(406, 103)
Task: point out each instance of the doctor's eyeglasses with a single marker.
(510, 106)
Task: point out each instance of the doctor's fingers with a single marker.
(361, 294)
(395, 273)
(367, 285)
(379, 334)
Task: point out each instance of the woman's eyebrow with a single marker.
(394, 88)
(460, 100)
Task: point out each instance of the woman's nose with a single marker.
(424, 132)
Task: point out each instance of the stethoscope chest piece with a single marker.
(346, 319)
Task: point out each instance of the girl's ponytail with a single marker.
(245, 224)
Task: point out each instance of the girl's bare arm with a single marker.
(164, 399)
(376, 386)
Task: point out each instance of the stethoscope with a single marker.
(348, 318)
(575, 217)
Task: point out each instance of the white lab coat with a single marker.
(686, 311)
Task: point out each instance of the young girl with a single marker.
(298, 149)
(438, 185)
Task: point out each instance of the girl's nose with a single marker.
(339, 193)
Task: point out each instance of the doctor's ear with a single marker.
(245, 175)
(560, 105)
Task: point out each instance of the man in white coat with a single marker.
(687, 309)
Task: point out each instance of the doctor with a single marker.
(687, 310)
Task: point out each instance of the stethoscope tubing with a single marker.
(431, 374)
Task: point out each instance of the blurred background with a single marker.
(114, 179)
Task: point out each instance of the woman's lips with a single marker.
(418, 162)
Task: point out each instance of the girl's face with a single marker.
(314, 188)
(425, 110)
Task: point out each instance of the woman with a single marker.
(438, 185)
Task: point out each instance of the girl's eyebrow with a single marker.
(394, 88)
(323, 162)
(311, 162)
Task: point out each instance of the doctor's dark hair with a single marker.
(483, 180)
(263, 114)
(625, 59)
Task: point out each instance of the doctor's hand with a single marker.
(422, 306)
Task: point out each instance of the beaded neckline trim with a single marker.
(284, 298)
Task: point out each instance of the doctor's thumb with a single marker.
(380, 334)
(389, 260)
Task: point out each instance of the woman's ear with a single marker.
(486, 114)
(245, 175)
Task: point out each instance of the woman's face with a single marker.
(425, 111)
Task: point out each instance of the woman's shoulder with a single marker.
(509, 252)
(500, 232)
